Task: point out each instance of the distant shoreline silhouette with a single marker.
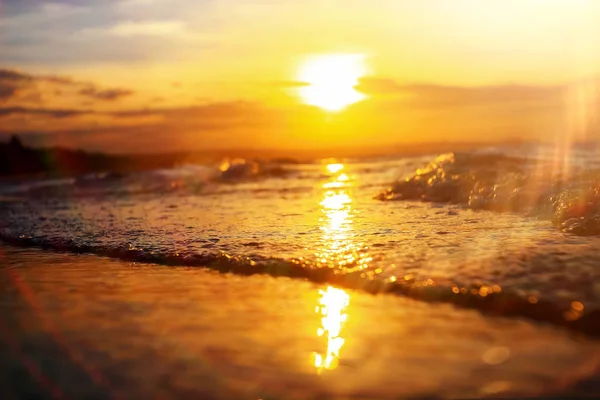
(18, 160)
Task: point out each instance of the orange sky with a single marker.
(158, 75)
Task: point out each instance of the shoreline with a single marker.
(109, 328)
(487, 300)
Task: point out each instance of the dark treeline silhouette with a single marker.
(17, 159)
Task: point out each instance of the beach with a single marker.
(83, 326)
(299, 200)
(385, 278)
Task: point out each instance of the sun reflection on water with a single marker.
(338, 247)
(339, 250)
(332, 307)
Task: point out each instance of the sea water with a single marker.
(509, 231)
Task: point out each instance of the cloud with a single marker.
(14, 76)
(136, 3)
(61, 80)
(215, 111)
(378, 86)
(107, 94)
(10, 82)
(206, 117)
(54, 113)
(60, 32)
(7, 91)
(222, 124)
(159, 129)
(105, 138)
(219, 110)
(450, 96)
(143, 28)
(21, 77)
(289, 84)
(395, 111)
(22, 88)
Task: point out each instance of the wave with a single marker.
(35, 185)
(190, 177)
(228, 176)
(488, 299)
(567, 196)
(238, 170)
(488, 180)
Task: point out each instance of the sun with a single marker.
(331, 80)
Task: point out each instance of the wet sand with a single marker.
(89, 327)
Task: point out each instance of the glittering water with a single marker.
(86, 327)
(512, 232)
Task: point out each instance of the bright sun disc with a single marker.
(331, 80)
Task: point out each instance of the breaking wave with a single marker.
(495, 182)
(278, 217)
(491, 300)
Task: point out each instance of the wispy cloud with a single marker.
(10, 82)
(448, 96)
(425, 95)
(54, 113)
(377, 86)
(149, 28)
(7, 91)
(19, 87)
(93, 115)
(84, 32)
(106, 94)
(11, 75)
(289, 84)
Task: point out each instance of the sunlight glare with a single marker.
(332, 80)
(332, 306)
(334, 168)
(336, 201)
(338, 248)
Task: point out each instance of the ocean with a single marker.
(499, 244)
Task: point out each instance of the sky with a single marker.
(170, 75)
